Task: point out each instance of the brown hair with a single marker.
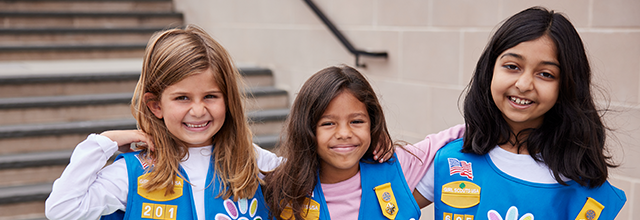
(171, 56)
(295, 178)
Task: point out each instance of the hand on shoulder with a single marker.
(124, 138)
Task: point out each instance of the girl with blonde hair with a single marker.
(197, 160)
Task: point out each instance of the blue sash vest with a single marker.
(372, 175)
(145, 205)
(470, 186)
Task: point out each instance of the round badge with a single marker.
(390, 209)
(386, 196)
(591, 215)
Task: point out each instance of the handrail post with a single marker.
(341, 37)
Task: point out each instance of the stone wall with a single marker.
(433, 46)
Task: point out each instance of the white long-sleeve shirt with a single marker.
(87, 189)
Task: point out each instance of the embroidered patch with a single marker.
(310, 211)
(144, 164)
(240, 210)
(159, 211)
(159, 195)
(460, 194)
(512, 214)
(460, 167)
(591, 210)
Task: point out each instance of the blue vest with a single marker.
(155, 205)
(470, 186)
(372, 175)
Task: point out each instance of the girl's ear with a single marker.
(153, 104)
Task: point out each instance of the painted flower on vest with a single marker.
(239, 211)
(512, 214)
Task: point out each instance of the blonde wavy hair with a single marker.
(171, 56)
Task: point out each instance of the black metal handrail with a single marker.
(342, 38)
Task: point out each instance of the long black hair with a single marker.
(571, 139)
(291, 182)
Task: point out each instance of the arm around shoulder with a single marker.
(433, 142)
(266, 160)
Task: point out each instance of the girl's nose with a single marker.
(344, 132)
(198, 109)
(525, 82)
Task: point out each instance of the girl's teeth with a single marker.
(520, 101)
(196, 126)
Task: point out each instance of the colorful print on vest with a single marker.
(155, 205)
(494, 195)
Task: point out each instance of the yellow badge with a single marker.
(159, 211)
(159, 195)
(451, 216)
(461, 194)
(591, 210)
(387, 200)
(310, 211)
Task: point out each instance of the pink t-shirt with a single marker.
(343, 198)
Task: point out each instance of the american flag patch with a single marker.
(144, 164)
(460, 167)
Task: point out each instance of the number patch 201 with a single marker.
(158, 211)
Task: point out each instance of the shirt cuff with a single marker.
(108, 146)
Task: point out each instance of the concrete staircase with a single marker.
(67, 69)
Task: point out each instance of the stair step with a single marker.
(74, 36)
(48, 158)
(25, 193)
(75, 77)
(51, 52)
(40, 143)
(43, 109)
(71, 47)
(268, 142)
(104, 99)
(29, 19)
(256, 76)
(268, 115)
(64, 101)
(87, 5)
(61, 128)
(71, 54)
(269, 121)
(266, 98)
(96, 126)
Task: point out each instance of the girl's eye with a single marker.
(511, 67)
(326, 123)
(210, 97)
(181, 98)
(357, 121)
(547, 75)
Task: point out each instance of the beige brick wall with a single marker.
(433, 46)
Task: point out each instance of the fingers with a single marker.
(130, 140)
(381, 155)
(143, 141)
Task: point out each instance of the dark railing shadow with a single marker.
(342, 38)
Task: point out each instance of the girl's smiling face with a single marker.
(343, 137)
(193, 109)
(526, 82)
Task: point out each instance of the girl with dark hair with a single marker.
(534, 141)
(329, 170)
